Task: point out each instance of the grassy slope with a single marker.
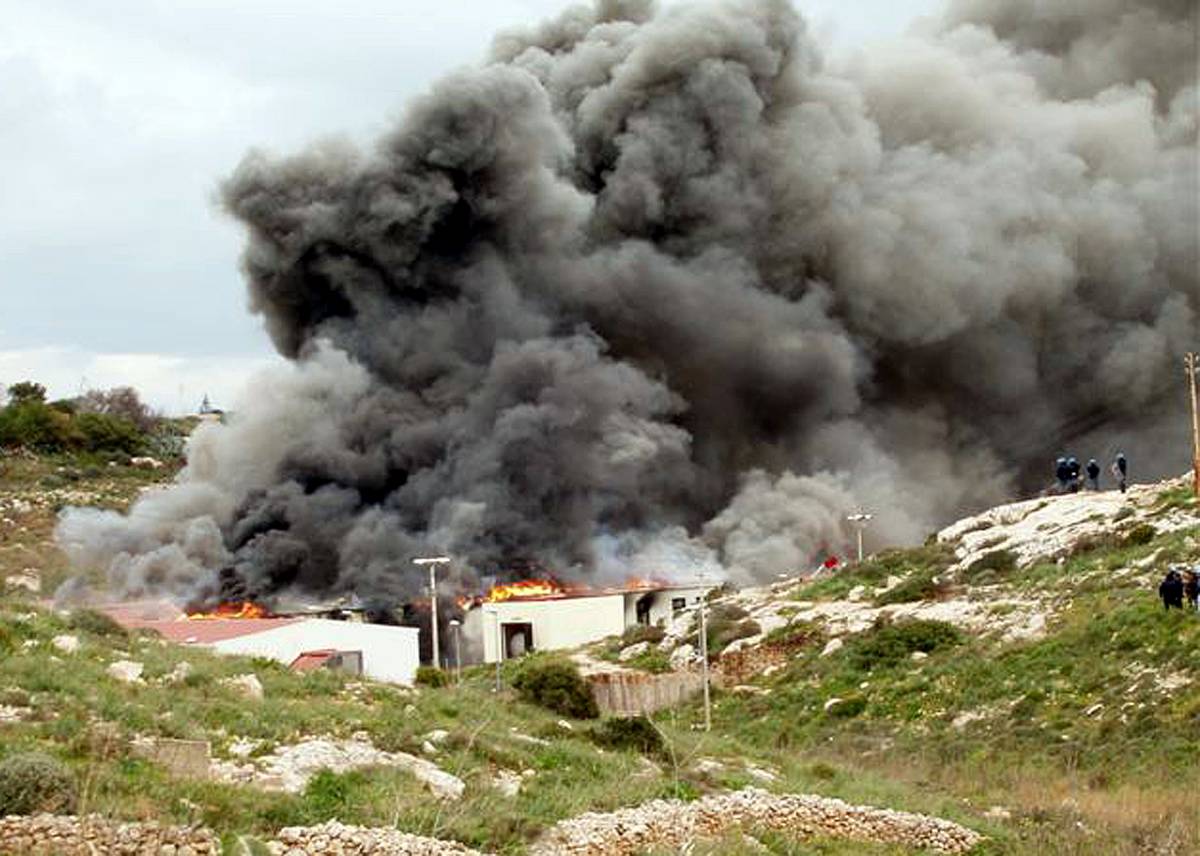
(1074, 783)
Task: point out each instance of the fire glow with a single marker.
(543, 588)
(246, 609)
(524, 589)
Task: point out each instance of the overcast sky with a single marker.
(118, 120)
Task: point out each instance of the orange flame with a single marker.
(525, 588)
(244, 609)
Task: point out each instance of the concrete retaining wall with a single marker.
(631, 694)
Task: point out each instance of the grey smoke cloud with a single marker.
(661, 286)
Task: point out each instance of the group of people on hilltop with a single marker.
(1177, 587)
(1070, 474)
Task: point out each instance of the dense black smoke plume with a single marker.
(658, 288)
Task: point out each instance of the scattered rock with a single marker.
(289, 768)
(998, 812)
(29, 580)
(918, 656)
(126, 671)
(708, 766)
(248, 685)
(66, 643)
(438, 736)
(683, 656)
(832, 646)
(634, 650)
(833, 702)
(1094, 709)
(507, 782)
(181, 672)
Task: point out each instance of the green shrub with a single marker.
(555, 684)
(100, 432)
(429, 676)
(848, 708)
(328, 794)
(990, 565)
(96, 623)
(31, 783)
(889, 644)
(633, 732)
(642, 633)
(920, 586)
(1141, 534)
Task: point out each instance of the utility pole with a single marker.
(704, 661)
(433, 562)
(1191, 362)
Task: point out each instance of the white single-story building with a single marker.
(509, 628)
(383, 652)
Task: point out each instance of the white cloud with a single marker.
(172, 384)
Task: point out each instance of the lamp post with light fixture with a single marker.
(433, 562)
(860, 521)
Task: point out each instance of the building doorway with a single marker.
(518, 639)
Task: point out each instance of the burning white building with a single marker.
(382, 652)
(540, 615)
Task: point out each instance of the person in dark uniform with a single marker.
(1093, 473)
(1171, 590)
(1120, 471)
(1191, 589)
(1062, 474)
(1073, 470)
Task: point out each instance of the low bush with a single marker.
(555, 684)
(919, 586)
(848, 708)
(96, 623)
(637, 733)
(888, 644)
(991, 565)
(31, 783)
(1141, 534)
(429, 676)
(642, 633)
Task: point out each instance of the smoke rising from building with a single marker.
(660, 285)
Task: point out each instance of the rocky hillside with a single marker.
(1012, 686)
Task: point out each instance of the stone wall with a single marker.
(63, 835)
(671, 824)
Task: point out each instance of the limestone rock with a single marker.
(634, 650)
(66, 643)
(248, 685)
(126, 671)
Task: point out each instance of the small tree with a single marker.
(26, 392)
(122, 402)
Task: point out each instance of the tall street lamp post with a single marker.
(860, 522)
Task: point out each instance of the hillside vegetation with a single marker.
(1048, 704)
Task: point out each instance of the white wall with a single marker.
(557, 623)
(389, 653)
(660, 605)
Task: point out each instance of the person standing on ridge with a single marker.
(1191, 589)
(1061, 473)
(1171, 590)
(1120, 470)
(1073, 469)
(1093, 473)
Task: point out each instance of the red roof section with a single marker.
(312, 660)
(170, 622)
(206, 631)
